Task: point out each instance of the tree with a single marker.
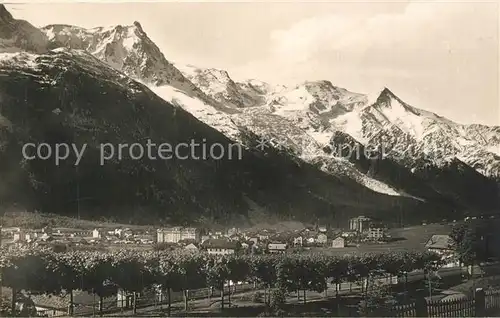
(128, 272)
(168, 275)
(217, 273)
(378, 302)
(302, 273)
(263, 271)
(97, 275)
(69, 270)
(337, 269)
(470, 242)
(191, 273)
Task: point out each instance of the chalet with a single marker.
(338, 242)
(221, 246)
(443, 245)
(277, 247)
(440, 244)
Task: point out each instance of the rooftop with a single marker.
(439, 242)
(220, 243)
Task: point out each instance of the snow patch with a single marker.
(202, 111)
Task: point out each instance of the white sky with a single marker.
(440, 56)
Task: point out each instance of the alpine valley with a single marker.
(63, 83)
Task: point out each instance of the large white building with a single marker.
(176, 234)
(359, 224)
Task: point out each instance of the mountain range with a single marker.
(66, 83)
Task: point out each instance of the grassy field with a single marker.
(420, 233)
(39, 220)
(409, 238)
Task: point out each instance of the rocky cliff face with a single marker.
(16, 35)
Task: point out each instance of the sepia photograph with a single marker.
(249, 158)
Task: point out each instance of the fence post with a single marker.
(421, 307)
(480, 303)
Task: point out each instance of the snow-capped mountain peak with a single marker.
(220, 86)
(127, 49)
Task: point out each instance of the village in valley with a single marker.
(361, 231)
(361, 235)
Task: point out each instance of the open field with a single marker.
(420, 233)
(409, 238)
(39, 220)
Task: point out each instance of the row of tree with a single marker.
(46, 272)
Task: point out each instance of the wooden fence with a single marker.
(480, 305)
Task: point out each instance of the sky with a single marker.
(439, 56)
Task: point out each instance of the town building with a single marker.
(277, 248)
(176, 234)
(19, 236)
(359, 224)
(220, 246)
(232, 231)
(443, 246)
(10, 229)
(440, 244)
(376, 233)
(338, 242)
(97, 233)
(30, 237)
(263, 236)
(298, 241)
(322, 238)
